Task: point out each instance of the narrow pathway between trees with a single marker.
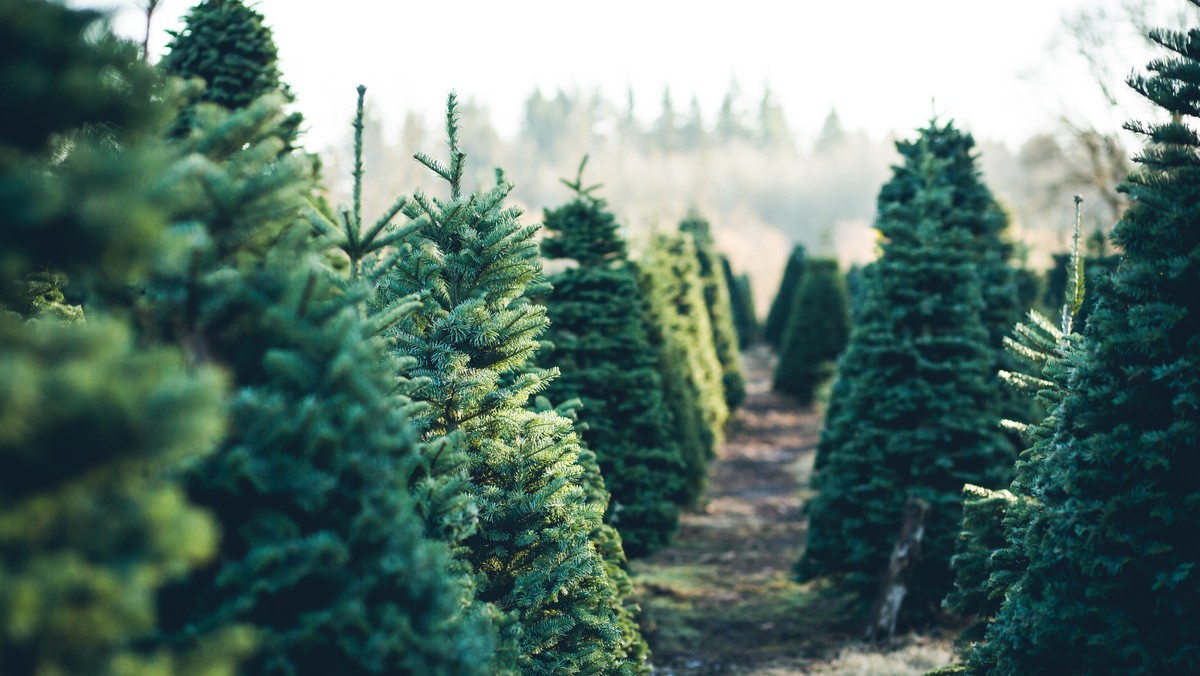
(721, 600)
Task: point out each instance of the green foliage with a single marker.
(720, 311)
(600, 345)
(975, 210)
(471, 263)
(322, 551)
(785, 297)
(91, 420)
(1096, 270)
(89, 525)
(680, 330)
(982, 535)
(913, 409)
(225, 44)
(1109, 584)
(741, 301)
(609, 546)
(95, 217)
(817, 330)
(439, 479)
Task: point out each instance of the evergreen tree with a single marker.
(609, 546)
(781, 306)
(226, 44)
(720, 311)
(741, 301)
(471, 263)
(985, 563)
(91, 420)
(600, 346)
(976, 210)
(1109, 585)
(912, 411)
(323, 553)
(681, 332)
(817, 330)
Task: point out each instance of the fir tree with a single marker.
(777, 317)
(741, 300)
(720, 311)
(1109, 585)
(817, 330)
(323, 553)
(600, 346)
(91, 420)
(912, 410)
(975, 210)
(472, 263)
(610, 547)
(985, 563)
(226, 44)
(681, 332)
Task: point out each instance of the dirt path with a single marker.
(721, 600)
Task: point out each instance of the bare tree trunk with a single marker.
(894, 586)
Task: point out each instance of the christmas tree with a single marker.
(226, 44)
(777, 317)
(986, 563)
(471, 264)
(720, 311)
(975, 210)
(741, 300)
(600, 346)
(817, 330)
(912, 414)
(680, 329)
(323, 552)
(92, 420)
(1109, 585)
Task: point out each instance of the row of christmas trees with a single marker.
(256, 433)
(1087, 562)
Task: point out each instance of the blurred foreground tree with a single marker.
(92, 423)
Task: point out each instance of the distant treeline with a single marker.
(765, 186)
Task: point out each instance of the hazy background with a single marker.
(776, 124)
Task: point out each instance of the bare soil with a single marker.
(721, 599)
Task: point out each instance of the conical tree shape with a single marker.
(601, 348)
(1110, 585)
(975, 210)
(226, 44)
(679, 328)
(720, 311)
(777, 317)
(742, 303)
(323, 553)
(912, 414)
(91, 420)
(817, 331)
(471, 263)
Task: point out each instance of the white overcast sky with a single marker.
(992, 66)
